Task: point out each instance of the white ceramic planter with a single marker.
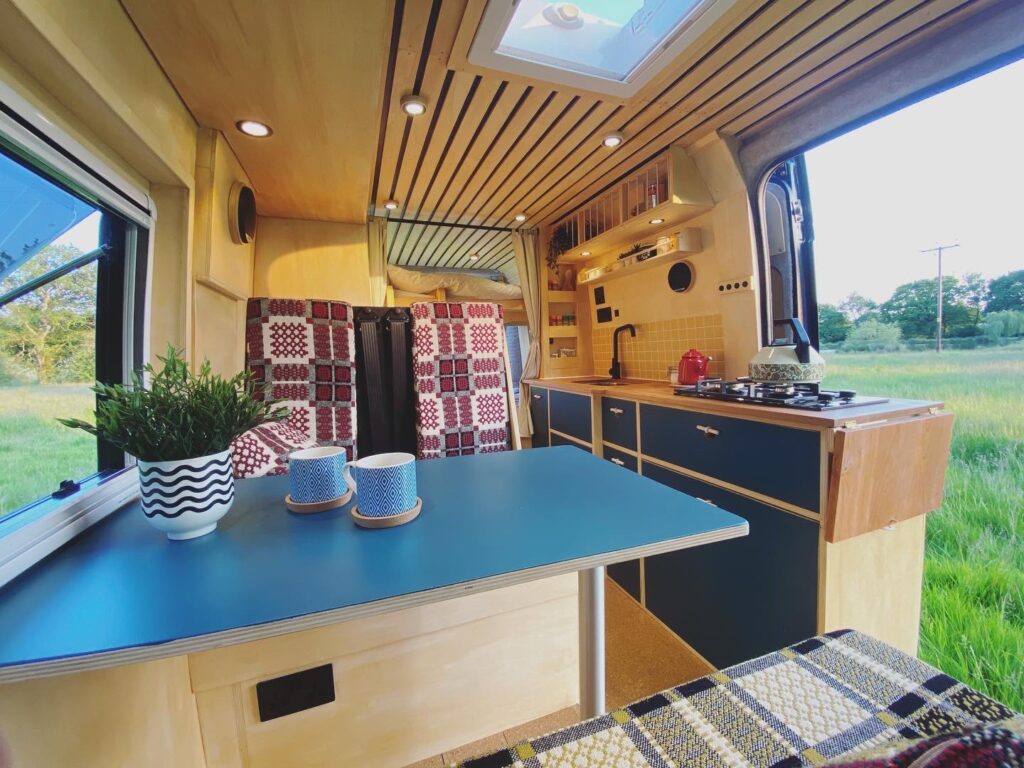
(186, 498)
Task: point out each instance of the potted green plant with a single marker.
(180, 426)
(559, 242)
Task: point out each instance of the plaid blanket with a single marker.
(807, 704)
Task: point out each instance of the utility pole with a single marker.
(937, 250)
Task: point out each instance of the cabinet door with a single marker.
(618, 422)
(539, 414)
(570, 414)
(557, 439)
(781, 462)
(626, 575)
(737, 599)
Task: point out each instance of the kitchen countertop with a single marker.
(662, 393)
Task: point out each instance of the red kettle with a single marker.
(693, 366)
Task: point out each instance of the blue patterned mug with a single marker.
(386, 483)
(315, 474)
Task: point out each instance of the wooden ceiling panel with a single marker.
(310, 69)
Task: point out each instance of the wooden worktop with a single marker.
(662, 393)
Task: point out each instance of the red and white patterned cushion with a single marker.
(303, 353)
(459, 374)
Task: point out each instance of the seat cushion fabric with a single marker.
(264, 450)
(302, 354)
(808, 704)
(459, 375)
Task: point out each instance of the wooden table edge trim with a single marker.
(105, 659)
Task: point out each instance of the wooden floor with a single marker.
(641, 657)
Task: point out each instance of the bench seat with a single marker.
(808, 704)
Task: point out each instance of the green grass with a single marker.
(972, 623)
(973, 606)
(35, 451)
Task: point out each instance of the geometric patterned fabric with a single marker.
(302, 352)
(459, 375)
(813, 703)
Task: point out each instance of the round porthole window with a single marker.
(680, 277)
(242, 213)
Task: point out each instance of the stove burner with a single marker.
(803, 396)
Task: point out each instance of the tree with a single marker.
(1006, 292)
(975, 288)
(912, 307)
(857, 307)
(51, 330)
(873, 336)
(833, 325)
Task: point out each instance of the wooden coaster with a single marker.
(317, 506)
(391, 520)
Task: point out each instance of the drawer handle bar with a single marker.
(709, 432)
(620, 462)
(616, 411)
(536, 397)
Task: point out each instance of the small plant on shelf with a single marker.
(180, 427)
(559, 242)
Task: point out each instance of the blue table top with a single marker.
(122, 592)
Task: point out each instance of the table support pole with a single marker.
(591, 618)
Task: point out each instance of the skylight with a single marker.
(608, 39)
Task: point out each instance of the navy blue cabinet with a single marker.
(781, 462)
(737, 599)
(618, 422)
(626, 575)
(557, 439)
(539, 414)
(570, 414)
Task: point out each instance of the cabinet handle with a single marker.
(616, 411)
(536, 397)
(706, 501)
(709, 432)
(620, 462)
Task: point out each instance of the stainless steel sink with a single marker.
(602, 382)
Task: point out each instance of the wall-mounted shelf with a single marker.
(622, 215)
(563, 331)
(689, 243)
(561, 297)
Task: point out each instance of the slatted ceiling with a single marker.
(493, 252)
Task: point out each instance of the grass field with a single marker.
(973, 614)
(972, 623)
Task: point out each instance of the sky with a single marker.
(945, 170)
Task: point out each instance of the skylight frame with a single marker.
(498, 14)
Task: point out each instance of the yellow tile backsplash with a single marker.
(659, 345)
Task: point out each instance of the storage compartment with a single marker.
(781, 462)
(570, 415)
(618, 422)
(737, 599)
(557, 439)
(539, 414)
(626, 575)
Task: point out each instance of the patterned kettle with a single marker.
(693, 367)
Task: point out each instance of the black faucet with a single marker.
(616, 370)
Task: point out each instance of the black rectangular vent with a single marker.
(604, 314)
(293, 693)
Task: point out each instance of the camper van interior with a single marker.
(460, 393)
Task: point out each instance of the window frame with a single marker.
(40, 527)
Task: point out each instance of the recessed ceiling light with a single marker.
(391, 204)
(657, 221)
(473, 257)
(584, 253)
(520, 217)
(613, 139)
(254, 128)
(414, 105)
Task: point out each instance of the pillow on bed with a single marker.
(458, 285)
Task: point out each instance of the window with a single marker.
(73, 255)
(517, 338)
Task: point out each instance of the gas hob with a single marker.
(808, 397)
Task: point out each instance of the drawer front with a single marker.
(620, 458)
(570, 414)
(737, 599)
(618, 422)
(539, 414)
(780, 462)
(557, 439)
(626, 575)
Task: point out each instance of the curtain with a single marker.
(377, 236)
(524, 243)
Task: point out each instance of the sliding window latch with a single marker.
(67, 487)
